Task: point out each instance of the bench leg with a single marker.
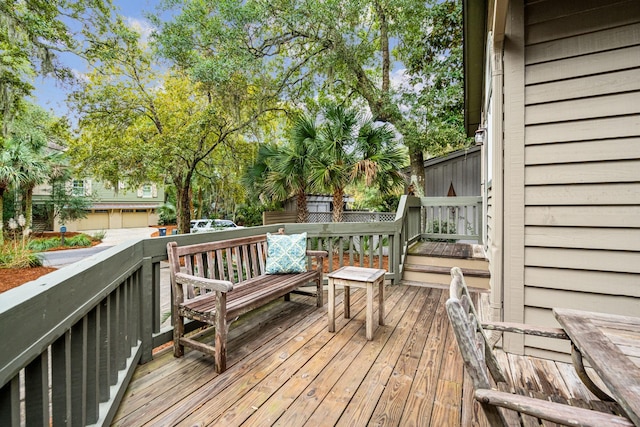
(178, 332)
(287, 297)
(319, 292)
(221, 332)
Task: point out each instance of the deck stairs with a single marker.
(429, 263)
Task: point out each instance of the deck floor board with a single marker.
(286, 369)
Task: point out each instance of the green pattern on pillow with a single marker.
(286, 253)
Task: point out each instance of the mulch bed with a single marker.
(12, 277)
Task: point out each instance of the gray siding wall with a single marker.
(581, 160)
(460, 169)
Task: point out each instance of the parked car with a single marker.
(202, 225)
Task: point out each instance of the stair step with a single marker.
(434, 269)
(472, 264)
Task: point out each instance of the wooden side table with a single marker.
(357, 277)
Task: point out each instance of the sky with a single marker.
(51, 95)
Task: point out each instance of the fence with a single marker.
(353, 216)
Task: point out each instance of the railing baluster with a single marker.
(10, 402)
(93, 379)
(61, 379)
(350, 250)
(37, 391)
(79, 373)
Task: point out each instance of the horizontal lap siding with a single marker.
(582, 160)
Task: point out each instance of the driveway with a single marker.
(112, 237)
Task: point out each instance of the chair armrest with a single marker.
(520, 328)
(202, 282)
(321, 254)
(550, 411)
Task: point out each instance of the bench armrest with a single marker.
(520, 328)
(550, 411)
(202, 282)
(321, 254)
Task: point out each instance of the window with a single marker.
(147, 191)
(77, 187)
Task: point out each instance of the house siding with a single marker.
(581, 161)
(460, 170)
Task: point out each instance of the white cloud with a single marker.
(400, 81)
(80, 75)
(142, 27)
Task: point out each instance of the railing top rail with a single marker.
(450, 201)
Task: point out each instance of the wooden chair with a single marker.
(492, 390)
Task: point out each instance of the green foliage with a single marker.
(31, 34)
(367, 198)
(431, 48)
(438, 226)
(42, 245)
(15, 252)
(64, 204)
(249, 215)
(350, 147)
(98, 235)
(167, 213)
(78, 240)
(12, 256)
(140, 125)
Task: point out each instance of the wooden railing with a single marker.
(72, 339)
(452, 218)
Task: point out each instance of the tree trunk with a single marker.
(301, 204)
(338, 201)
(28, 208)
(384, 48)
(417, 172)
(183, 213)
(1, 216)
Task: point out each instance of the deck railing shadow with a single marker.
(73, 338)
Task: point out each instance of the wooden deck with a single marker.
(286, 369)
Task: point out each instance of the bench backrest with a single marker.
(235, 260)
(479, 360)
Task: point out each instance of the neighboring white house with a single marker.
(112, 208)
(554, 88)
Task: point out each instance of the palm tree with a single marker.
(332, 165)
(351, 147)
(10, 174)
(381, 158)
(283, 170)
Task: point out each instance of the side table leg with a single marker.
(369, 311)
(381, 303)
(332, 305)
(347, 302)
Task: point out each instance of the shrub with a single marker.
(15, 252)
(18, 256)
(441, 227)
(41, 245)
(98, 235)
(78, 240)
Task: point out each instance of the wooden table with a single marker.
(357, 277)
(611, 344)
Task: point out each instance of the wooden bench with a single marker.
(216, 282)
(499, 401)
